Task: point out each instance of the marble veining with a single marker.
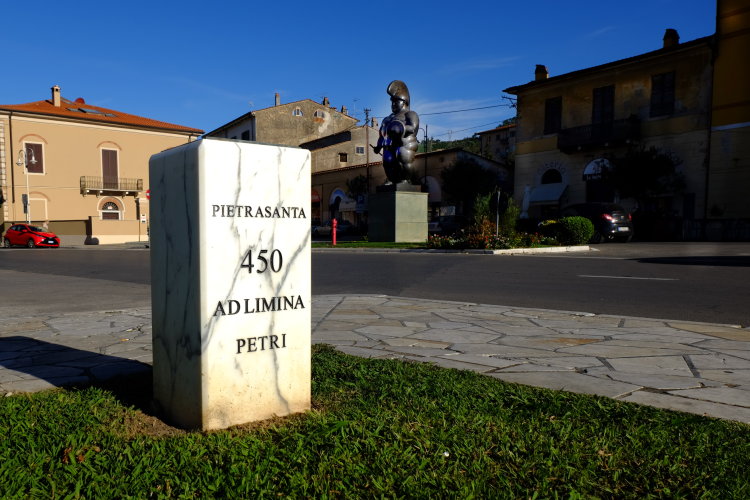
(228, 346)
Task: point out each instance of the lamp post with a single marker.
(23, 161)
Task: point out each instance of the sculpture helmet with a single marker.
(398, 89)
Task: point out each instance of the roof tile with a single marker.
(47, 108)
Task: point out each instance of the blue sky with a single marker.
(201, 64)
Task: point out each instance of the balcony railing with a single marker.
(625, 130)
(90, 183)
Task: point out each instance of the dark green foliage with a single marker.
(641, 173)
(381, 430)
(574, 230)
(356, 186)
(509, 220)
(464, 180)
(471, 144)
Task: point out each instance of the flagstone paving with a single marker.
(693, 367)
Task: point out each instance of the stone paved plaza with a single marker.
(694, 367)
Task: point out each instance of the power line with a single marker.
(454, 131)
(462, 110)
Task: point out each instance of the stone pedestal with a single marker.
(398, 216)
(230, 282)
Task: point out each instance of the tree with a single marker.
(471, 144)
(641, 173)
(464, 180)
(356, 186)
(508, 121)
(487, 153)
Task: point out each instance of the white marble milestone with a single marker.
(230, 282)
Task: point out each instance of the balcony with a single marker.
(599, 134)
(98, 185)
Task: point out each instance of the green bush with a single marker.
(548, 228)
(574, 230)
(509, 219)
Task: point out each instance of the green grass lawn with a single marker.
(367, 244)
(379, 428)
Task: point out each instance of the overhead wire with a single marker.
(462, 110)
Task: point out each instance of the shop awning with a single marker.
(548, 193)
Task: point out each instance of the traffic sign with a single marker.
(148, 194)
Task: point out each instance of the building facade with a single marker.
(729, 171)
(329, 191)
(90, 179)
(343, 149)
(568, 124)
(500, 142)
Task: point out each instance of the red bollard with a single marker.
(334, 232)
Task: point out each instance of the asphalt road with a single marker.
(682, 281)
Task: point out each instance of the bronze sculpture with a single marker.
(398, 136)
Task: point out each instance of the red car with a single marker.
(30, 236)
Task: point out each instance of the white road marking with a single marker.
(627, 278)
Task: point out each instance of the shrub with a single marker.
(509, 219)
(574, 230)
(548, 228)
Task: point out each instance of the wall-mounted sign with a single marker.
(593, 170)
(315, 197)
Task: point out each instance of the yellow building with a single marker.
(567, 124)
(729, 171)
(90, 179)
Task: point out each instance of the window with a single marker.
(246, 135)
(512, 134)
(604, 105)
(38, 150)
(360, 150)
(109, 164)
(497, 137)
(298, 112)
(320, 114)
(662, 94)
(552, 115)
(110, 211)
(551, 176)
(342, 157)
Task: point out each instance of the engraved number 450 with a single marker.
(275, 263)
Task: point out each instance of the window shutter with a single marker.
(553, 115)
(105, 163)
(109, 163)
(608, 112)
(38, 167)
(667, 100)
(603, 110)
(662, 94)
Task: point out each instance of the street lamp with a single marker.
(23, 161)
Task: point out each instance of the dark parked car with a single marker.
(30, 236)
(445, 225)
(342, 227)
(610, 220)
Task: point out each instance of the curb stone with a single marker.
(580, 248)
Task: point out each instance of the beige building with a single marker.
(328, 185)
(90, 179)
(500, 142)
(567, 124)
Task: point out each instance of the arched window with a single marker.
(297, 112)
(320, 114)
(110, 206)
(551, 176)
